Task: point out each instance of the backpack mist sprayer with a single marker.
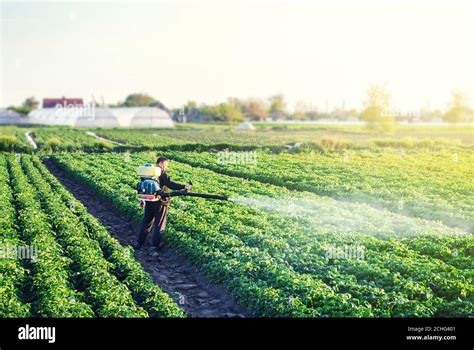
(148, 189)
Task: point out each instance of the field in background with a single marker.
(63, 138)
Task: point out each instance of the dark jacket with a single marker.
(165, 180)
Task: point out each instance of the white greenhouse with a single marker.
(131, 117)
(8, 117)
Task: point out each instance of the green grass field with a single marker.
(347, 224)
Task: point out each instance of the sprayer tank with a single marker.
(149, 170)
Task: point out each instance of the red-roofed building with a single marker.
(63, 101)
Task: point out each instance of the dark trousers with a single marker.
(155, 213)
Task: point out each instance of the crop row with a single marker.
(52, 287)
(13, 275)
(69, 139)
(13, 138)
(430, 185)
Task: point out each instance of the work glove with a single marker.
(188, 187)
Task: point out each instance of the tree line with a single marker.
(378, 110)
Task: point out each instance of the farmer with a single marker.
(155, 212)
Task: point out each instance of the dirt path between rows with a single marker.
(174, 274)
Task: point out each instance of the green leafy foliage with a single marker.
(278, 267)
(430, 185)
(79, 270)
(13, 275)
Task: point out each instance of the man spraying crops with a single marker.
(155, 212)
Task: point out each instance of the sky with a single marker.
(323, 53)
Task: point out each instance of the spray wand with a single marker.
(190, 194)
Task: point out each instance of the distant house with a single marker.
(63, 101)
